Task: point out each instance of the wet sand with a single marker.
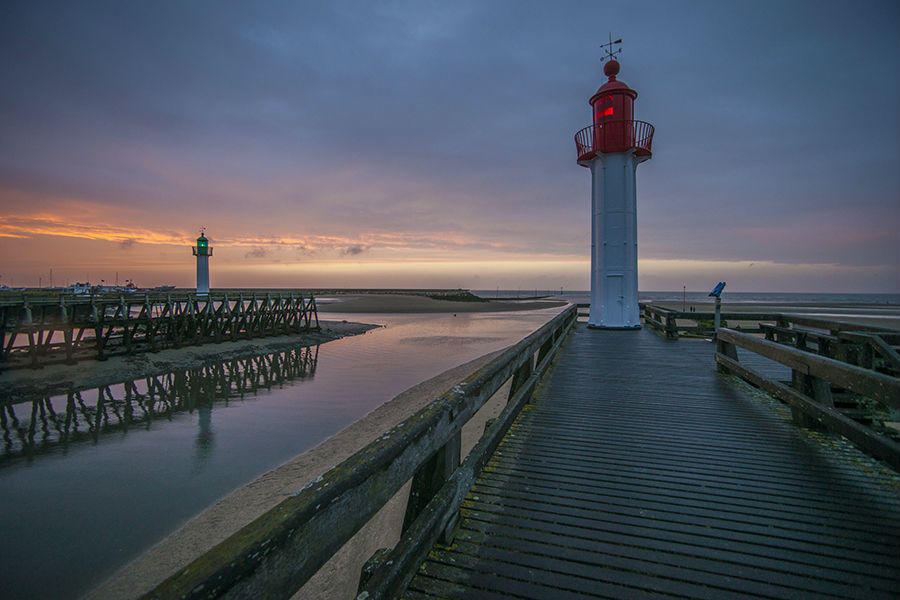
(401, 303)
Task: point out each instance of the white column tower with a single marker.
(202, 251)
(612, 148)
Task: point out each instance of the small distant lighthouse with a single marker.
(612, 148)
(202, 251)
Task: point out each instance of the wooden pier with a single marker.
(37, 332)
(634, 469)
(638, 472)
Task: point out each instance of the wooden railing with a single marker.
(855, 343)
(810, 395)
(39, 332)
(699, 323)
(277, 553)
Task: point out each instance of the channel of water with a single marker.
(90, 481)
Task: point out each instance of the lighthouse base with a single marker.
(623, 328)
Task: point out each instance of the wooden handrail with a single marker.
(399, 565)
(275, 554)
(876, 342)
(816, 373)
(656, 315)
(857, 379)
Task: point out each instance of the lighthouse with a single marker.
(612, 148)
(202, 250)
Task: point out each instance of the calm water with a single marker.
(89, 481)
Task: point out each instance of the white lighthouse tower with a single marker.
(202, 250)
(612, 148)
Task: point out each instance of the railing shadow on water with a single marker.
(54, 423)
(277, 553)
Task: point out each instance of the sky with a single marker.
(430, 144)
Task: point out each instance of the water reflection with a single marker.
(52, 423)
(151, 472)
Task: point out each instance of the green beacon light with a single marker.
(202, 248)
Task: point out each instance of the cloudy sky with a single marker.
(429, 144)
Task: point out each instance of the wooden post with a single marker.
(375, 562)
(544, 349)
(430, 477)
(727, 349)
(817, 389)
(520, 377)
(67, 329)
(671, 327)
(97, 317)
(29, 324)
(800, 340)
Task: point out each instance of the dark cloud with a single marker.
(258, 252)
(125, 244)
(353, 250)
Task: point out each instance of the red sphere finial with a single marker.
(611, 69)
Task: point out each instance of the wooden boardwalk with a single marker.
(640, 472)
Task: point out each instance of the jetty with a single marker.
(45, 330)
(624, 464)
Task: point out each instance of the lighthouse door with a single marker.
(615, 301)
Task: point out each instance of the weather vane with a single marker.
(608, 49)
(203, 230)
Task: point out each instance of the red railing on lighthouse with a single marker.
(614, 136)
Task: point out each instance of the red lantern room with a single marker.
(614, 128)
(613, 106)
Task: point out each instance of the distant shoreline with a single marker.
(869, 314)
(408, 303)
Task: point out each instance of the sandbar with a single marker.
(403, 303)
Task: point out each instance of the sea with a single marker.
(584, 297)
